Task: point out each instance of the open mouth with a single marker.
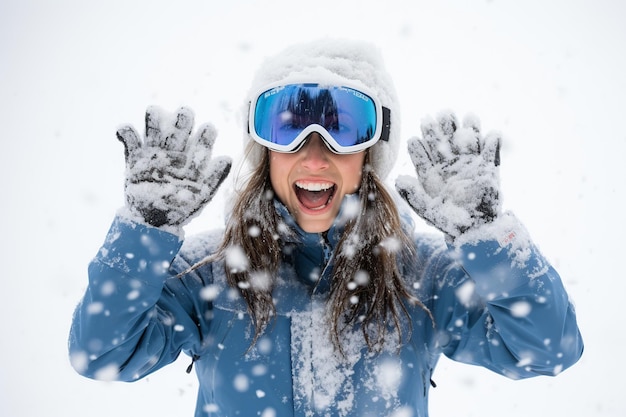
(314, 195)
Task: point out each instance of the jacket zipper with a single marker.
(328, 254)
(194, 358)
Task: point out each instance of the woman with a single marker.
(318, 298)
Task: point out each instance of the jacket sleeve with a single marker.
(129, 323)
(499, 304)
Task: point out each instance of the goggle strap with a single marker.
(248, 115)
(384, 134)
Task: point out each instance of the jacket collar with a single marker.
(312, 254)
(349, 208)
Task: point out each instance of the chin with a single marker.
(315, 225)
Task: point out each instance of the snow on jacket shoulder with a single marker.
(489, 309)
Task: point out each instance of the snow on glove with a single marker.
(170, 175)
(457, 186)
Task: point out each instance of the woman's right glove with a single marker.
(170, 175)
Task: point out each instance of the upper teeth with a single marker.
(314, 186)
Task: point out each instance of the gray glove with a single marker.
(170, 176)
(457, 186)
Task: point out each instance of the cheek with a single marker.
(354, 172)
(356, 183)
(279, 174)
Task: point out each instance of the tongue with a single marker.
(314, 200)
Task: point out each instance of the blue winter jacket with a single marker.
(489, 309)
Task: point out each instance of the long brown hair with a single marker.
(367, 287)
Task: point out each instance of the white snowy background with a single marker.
(550, 74)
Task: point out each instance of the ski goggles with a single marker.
(348, 119)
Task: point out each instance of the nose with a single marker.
(315, 153)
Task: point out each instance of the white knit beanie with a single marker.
(334, 61)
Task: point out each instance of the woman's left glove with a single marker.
(170, 176)
(457, 186)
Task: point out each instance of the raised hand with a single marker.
(170, 175)
(457, 186)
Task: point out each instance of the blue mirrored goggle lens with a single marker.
(282, 113)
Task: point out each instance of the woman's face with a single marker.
(313, 181)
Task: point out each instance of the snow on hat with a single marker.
(334, 61)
